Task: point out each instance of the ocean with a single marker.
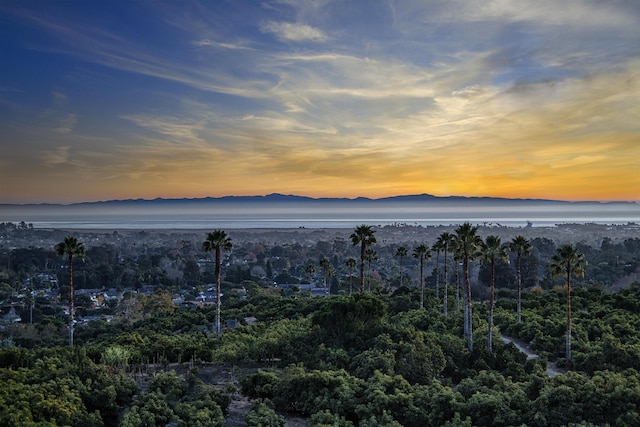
(260, 215)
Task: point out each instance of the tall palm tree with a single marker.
(421, 252)
(370, 255)
(401, 252)
(445, 240)
(522, 247)
(569, 261)
(71, 248)
(331, 271)
(217, 241)
(437, 247)
(468, 243)
(364, 236)
(492, 251)
(351, 264)
(457, 258)
(310, 270)
(325, 264)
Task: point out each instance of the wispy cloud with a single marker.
(287, 31)
(58, 157)
(221, 45)
(66, 123)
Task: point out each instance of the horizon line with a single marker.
(323, 198)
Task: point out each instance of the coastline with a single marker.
(591, 234)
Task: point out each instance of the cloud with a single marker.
(177, 129)
(221, 45)
(581, 14)
(286, 31)
(59, 156)
(66, 123)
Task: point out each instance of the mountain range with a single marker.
(295, 199)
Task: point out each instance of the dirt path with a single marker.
(552, 369)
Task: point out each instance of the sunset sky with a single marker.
(142, 99)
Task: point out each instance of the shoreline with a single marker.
(591, 234)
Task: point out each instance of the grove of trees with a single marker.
(166, 352)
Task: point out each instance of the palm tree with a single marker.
(325, 264)
(437, 247)
(491, 252)
(370, 255)
(71, 248)
(468, 243)
(401, 252)
(331, 271)
(569, 261)
(445, 240)
(363, 235)
(522, 247)
(457, 258)
(310, 270)
(217, 241)
(421, 252)
(351, 264)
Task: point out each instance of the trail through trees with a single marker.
(552, 369)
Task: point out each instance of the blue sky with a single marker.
(145, 99)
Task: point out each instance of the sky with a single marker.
(103, 100)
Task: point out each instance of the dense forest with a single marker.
(359, 329)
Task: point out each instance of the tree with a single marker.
(468, 242)
(521, 246)
(421, 252)
(116, 356)
(445, 241)
(569, 261)
(351, 264)
(370, 255)
(437, 247)
(269, 269)
(263, 414)
(364, 236)
(325, 264)
(71, 248)
(160, 302)
(457, 258)
(217, 241)
(401, 252)
(310, 270)
(491, 251)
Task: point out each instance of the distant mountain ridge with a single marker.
(290, 198)
(290, 211)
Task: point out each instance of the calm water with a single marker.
(333, 215)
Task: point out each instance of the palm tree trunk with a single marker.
(421, 283)
(218, 294)
(491, 303)
(568, 343)
(71, 307)
(362, 256)
(446, 286)
(468, 315)
(458, 286)
(519, 291)
(438, 275)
